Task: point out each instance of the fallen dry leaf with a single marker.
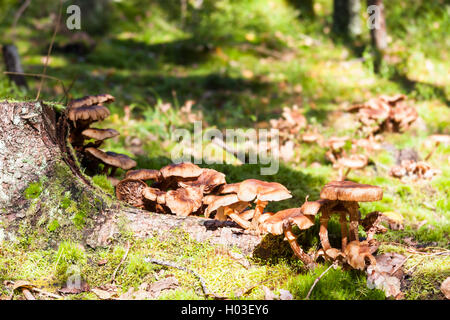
(285, 295)
(445, 288)
(387, 274)
(268, 294)
(103, 294)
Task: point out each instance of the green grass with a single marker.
(241, 62)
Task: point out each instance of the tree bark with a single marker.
(346, 18)
(33, 152)
(306, 7)
(378, 31)
(12, 64)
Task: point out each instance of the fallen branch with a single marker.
(400, 265)
(113, 278)
(318, 279)
(200, 279)
(50, 50)
(39, 75)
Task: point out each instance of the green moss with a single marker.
(103, 182)
(334, 285)
(33, 190)
(53, 225)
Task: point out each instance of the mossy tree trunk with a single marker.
(44, 196)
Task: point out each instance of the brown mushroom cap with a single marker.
(356, 254)
(311, 137)
(274, 224)
(91, 100)
(354, 161)
(311, 208)
(220, 201)
(181, 170)
(207, 180)
(351, 191)
(184, 201)
(143, 174)
(113, 159)
(155, 195)
(89, 113)
(230, 188)
(131, 191)
(99, 134)
(441, 138)
(393, 99)
(336, 143)
(262, 190)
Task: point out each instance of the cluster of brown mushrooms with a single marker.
(417, 170)
(412, 170)
(85, 140)
(337, 197)
(384, 113)
(186, 189)
(290, 123)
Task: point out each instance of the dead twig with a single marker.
(427, 256)
(50, 50)
(18, 14)
(318, 279)
(113, 278)
(200, 279)
(400, 265)
(39, 75)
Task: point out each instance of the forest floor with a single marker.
(156, 67)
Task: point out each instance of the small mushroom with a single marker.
(91, 100)
(262, 192)
(173, 173)
(228, 205)
(208, 180)
(336, 145)
(81, 118)
(112, 160)
(184, 201)
(131, 191)
(345, 196)
(99, 135)
(372, 224)
(357, 253)
(143, 174)
(437, 139)
(229, 188)
(354, 161)
(155, 200)
(155, 195)
(282, 221)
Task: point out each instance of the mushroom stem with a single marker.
(323, 233)
(113, 171)
(346, 174)
(233, 214)
(344, 232)
(432, 150)
(352, 208)
(260, 205)
(292, 239)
